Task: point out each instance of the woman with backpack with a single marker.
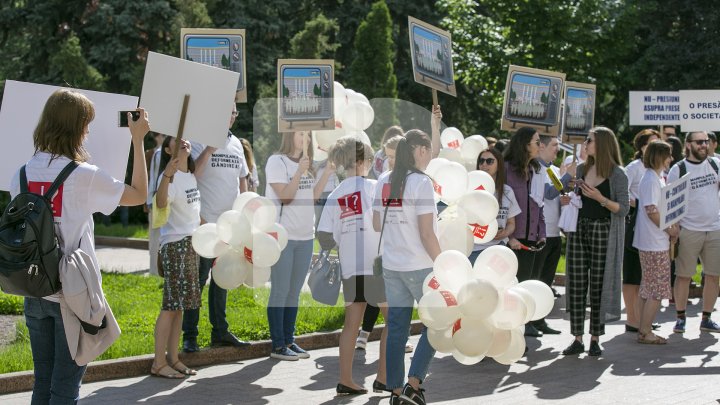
(58, 140)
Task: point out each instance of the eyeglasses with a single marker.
(234, 113)
(700, 141)
(489, 161)
(588, 140)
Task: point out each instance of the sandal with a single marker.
(644, 338)
(166, 372)
(183, 369)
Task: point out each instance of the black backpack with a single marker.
(29, 248)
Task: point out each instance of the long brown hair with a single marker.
(405, 160)
(517, 154)
(607, 152)
(641, 139)
(247, 150)
(61, 129)
(500, 176)
(349, 150)
(287, 146)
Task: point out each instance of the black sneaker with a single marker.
(595, 349)
(410, 395)
(395, 400)
(190, 346)
(576, 347)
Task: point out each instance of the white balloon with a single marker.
(466, 360)
(242, 199)
(356, 96)
(438, 309)
(480, 207)
(451, 138)
(454, 234)
(472, 337)
(230, 270)
(511, 311)
(257, 276)
(451, 182)
(358, 116)
(515, 350)
(361, 136)
(434, 165)
(478, 299)
(339, 99)
(207, 243)
(233, 228)
(452, 270)
(543, 295)
(452, 155)
(484, 233)
(430, 283)
(501, 261)
(265, 250)
(261, 213)
(471, 148)
(529, 301)
(480, 180)
(326, 139)
(500, 343)
(318, 154)
(441, 339)
(280, 234)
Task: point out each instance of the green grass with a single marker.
(136, 299)
(131, 231)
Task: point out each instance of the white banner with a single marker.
(674, 201)
(654, 108)
(699, 110)
(23, 103)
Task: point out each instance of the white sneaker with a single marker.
(362, 340)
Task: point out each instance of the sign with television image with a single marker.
(431, 51)
(220, 48)
(533, 99)
(305, 94)
(579, 113)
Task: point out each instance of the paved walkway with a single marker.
(685, 371)
(123, 260)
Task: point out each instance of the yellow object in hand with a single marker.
(555, 181)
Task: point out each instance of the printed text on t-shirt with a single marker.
(41, 187)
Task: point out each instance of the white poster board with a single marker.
(699, 110)
(674, 201)
(23, 103)
(654, 108)
(212, 94)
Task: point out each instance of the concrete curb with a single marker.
(130, 243)
(140, 365)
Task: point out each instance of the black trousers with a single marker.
(528, 267)
(549, 258)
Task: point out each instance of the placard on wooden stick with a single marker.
(532, 99)
(431, 52)
(220, 48)
(305, 94)
(579, 112)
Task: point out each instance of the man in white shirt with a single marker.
(700, 233)
(221, 177)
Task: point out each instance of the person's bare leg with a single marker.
(710, 292)
(649, 309)
(353, 318)
(682, 291)
(163, 327)
(632, 307)
(174, 338)
(382, 370)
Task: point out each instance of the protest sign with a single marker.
(431, 54)
(699, 110)
(654, 108)
(532, 98)
(674, 201)
(579, 111)
(305, 94)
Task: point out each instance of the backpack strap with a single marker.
(60, 178)
(714, 165)
(23, 180)
(683, 169)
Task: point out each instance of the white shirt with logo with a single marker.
(704, 206)
(509, 208)
(184, 203)
(402, 248)
(635, 171)
(348, 216)
(648, 237)
(298, 217)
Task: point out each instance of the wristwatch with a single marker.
(604, 203)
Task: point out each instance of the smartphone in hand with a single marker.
(123, 119)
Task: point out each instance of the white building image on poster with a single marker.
(579, 111)
(427, 55)
(209, 56)
(528, 100)
(302, 98)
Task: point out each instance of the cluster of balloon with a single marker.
(246, 241)
(457, 148)
(471, 204)
(353, 115)
(479, 310)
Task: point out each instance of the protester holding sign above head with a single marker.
(291, 184)
(221, 177)
(700, 229)
(59, 136)
(595, 250)
(652, 242)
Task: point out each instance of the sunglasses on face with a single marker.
(483, 161)
(700, 141)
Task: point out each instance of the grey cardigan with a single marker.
(612, 280)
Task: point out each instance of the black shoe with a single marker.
(655, 326)
(190, 346)
(546, 329)
(595, 349)
(555, 293)
(395, 400)
(531, 331)
(380, 387)
(410, 395)
(342, 389)
(228, 339)
(576, 347)
(631, 329)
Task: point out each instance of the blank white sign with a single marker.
(212, 94)
(22, 105)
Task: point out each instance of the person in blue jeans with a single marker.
(58, 139)
(293, 187)
(404, 211)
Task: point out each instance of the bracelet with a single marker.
(169, 177)
(604, 203)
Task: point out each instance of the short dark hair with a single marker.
(688, 136)
(712, 136)
(655, 153)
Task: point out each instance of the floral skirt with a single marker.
(655, 283)
(182, 280)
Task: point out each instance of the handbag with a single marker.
(630, 222)
(377, 263)
(324, 280)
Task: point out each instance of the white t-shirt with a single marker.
(219, 183)
(551, 208)
(402, 248)
(87, 190)
(184, 202)
(348, 216)
(332, 181)
(648, 237)
(635, 171)
(704, 206)
(509, 208)
(298, 217)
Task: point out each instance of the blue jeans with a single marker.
(217, 300)
(57, 376)
(402, 289)
(286, 280)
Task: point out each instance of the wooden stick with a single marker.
(435, 97)
(181, 129)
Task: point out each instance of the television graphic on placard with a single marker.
(223, 49)
(431, 51)
(579, 113)
(533, 98)
(305, 95)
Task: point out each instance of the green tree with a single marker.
(316, 40)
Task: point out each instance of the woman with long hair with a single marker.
(181, 278)
(253, 180)
(528, 185)
(292, 185)
(59, 136)
(595, 249)
(404, 211)
(492, 162)
(347, 223)
(631, 261)
(380, 160)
